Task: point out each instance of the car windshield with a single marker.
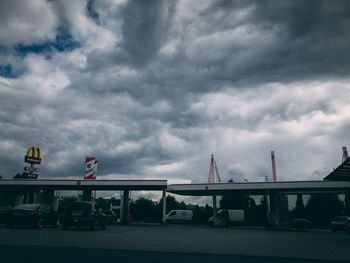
(79, 206)
(172, 213)
(27, 207)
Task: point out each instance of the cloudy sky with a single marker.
(152, 88)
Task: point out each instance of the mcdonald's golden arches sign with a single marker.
(33, 155)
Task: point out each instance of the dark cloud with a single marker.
(92, 11)
(314, 37)
(153, 88)
(144, 28)
(273, 42)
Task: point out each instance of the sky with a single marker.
(153, 88)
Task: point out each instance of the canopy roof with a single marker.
(341, 173)
(151, 185)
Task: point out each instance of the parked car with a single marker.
(300, 223)
(180, 216)
(35, 215)
(4, 210)
(83, 214)
(341, 223)
(111, 217)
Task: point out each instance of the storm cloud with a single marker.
(152, 88)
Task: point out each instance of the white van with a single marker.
(179, 216)
(225, 217)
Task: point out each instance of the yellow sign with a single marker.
(33, 155)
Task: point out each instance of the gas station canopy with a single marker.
(341, 173)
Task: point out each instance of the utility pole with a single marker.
(345, 154)
(274, 179)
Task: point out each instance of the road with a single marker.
(172, 243)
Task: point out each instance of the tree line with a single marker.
(147, 210)
(320, 209)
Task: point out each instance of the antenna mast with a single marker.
(345, 154)
(273, 166)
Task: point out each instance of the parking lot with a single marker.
(181, 240)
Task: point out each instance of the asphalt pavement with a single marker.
(171, 243)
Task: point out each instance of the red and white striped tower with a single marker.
(213, 169)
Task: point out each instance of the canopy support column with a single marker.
(164, 207)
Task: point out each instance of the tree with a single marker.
(172, 204)
(234, 200)
(202, 214)
(251, 212)
(323, 208)
(299, 211)
(261, 213)
(145, 210)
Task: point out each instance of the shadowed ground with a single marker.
(172, 243)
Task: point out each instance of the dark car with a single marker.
(83, 214)
(341, 223)
(34, 215)
(300, 223)
(4, 210)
